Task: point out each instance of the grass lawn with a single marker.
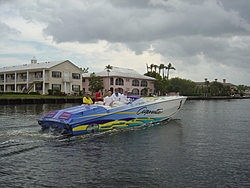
(37, 96)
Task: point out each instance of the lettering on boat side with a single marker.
(180, 105)
(145, 111)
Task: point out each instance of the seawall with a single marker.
(214, 98)
(52, 100)
(6, 101)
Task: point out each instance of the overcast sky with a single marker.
(201, 38)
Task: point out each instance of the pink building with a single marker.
(123, 79)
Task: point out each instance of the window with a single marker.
(38, 74)
(127, 79)
(135, 91)
(2, 88)
(56, 86)
(120, 90)
(119, 81)
(12, 87)
(56, 74)
(75, 76)
(24, 76)
(135, 83)
(111, 89)
(39, 86)
(23, 87)
(111, 81)
(2, 77)
(12, 76)
(143, 92)
(144, 83)
(75, 87)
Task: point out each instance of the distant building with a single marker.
(61, 75)
(224, 83)
(247, 93)
(123, 79)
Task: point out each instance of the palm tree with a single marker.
(168, 68)
(161, 67)
(147, 67)
(207, 83)
(108, 68)
(151, 67)
(155, 67)
(85, 70)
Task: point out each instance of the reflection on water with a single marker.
(206, 145)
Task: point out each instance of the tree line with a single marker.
(164, 85)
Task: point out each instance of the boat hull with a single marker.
(90, 119)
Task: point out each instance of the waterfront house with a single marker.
(123, 79)
(40, 77)
(224, 83)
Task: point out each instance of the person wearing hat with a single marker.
(87, 100)
(108, 100)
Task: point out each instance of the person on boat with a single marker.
(124, 97)
(98, 96)
(116, 95)
(108, 100)
(87, 100)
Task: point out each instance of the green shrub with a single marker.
(50, 91)
(190, 94)
(56, 92)
(34, 93)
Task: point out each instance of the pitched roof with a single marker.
(31, 66)
(224, 84)
(120, 72)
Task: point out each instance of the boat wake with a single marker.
(15, 142)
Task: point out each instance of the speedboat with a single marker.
(84, 119)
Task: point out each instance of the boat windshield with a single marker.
(133, 98)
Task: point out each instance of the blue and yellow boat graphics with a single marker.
(116, 124)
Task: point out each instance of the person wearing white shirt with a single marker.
(108, 100)
(124, 97)
(116, 95)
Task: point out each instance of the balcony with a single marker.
(23, 80)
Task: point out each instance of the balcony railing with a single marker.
(24, 79)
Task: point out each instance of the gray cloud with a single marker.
(179, 30)
(104, 21)
(5, 30)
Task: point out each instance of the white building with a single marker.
(61, 75)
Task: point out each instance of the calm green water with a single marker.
(206, 145)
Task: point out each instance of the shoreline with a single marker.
(54, 100)
(37, 100)
(214, 98)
